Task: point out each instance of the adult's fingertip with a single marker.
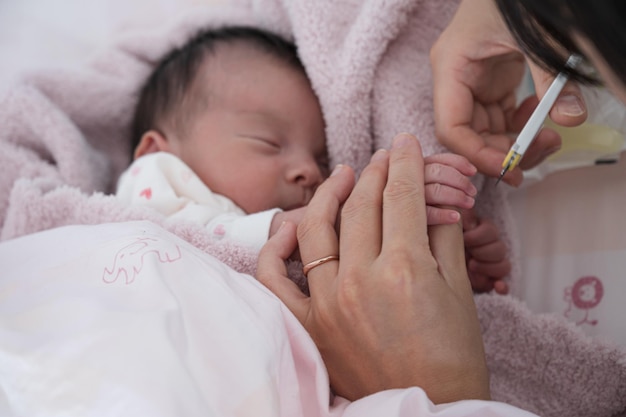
(514, 178)
(570, 105)
(403, 139)
(337, 170)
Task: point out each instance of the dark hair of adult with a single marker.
(164, 97)
(545, 29)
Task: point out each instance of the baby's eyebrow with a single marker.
(263, 115)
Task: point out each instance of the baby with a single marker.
(229, 133)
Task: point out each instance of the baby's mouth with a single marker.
(307, 195)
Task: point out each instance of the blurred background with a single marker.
(36, 33)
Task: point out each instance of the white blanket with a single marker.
(127, 319)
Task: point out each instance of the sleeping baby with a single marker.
(229, 133)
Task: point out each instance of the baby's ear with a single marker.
(151, 142)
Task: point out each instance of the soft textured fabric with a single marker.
(163, 182)
(65, 140)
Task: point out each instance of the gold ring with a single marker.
(318, 262)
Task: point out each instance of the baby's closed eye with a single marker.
(263, 141)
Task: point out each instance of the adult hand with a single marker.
(396, 310)
(477, 68)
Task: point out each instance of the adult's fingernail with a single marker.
(379, 155)
(570, 105)
(403, 139)
(338, 168)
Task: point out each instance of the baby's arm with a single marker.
(447, 183)
(251, 230)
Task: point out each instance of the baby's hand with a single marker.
(485, 254)
(447, 183)
(294, 216)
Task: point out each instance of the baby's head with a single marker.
(235, 105)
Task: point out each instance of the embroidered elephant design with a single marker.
(129, 260)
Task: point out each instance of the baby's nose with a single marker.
(307, 173)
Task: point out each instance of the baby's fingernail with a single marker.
(337, 169)
(473, 190)
(570, 105)
(469, 201)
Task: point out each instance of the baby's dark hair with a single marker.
(545, 30)
(165, 97)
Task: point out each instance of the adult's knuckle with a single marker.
(357, 204)
(400, 189)
(309, 226)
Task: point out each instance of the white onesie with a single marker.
(165, 183)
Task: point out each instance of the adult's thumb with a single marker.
(569, 109)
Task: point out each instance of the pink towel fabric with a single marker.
(65, 140)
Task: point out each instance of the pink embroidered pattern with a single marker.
(219, 230)
(584, 295)
(146, 193)
(129, 260)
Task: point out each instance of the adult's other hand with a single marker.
(477, 68)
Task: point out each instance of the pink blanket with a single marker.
(64, 141)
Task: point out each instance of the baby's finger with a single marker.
(438, 215)
(491, 252)
(501, 287)
(469, 218)
(272, 272)
(443, 195)
(486, 232)
(461, 163)
(450, 176)
(493, 270)
(480, 283)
